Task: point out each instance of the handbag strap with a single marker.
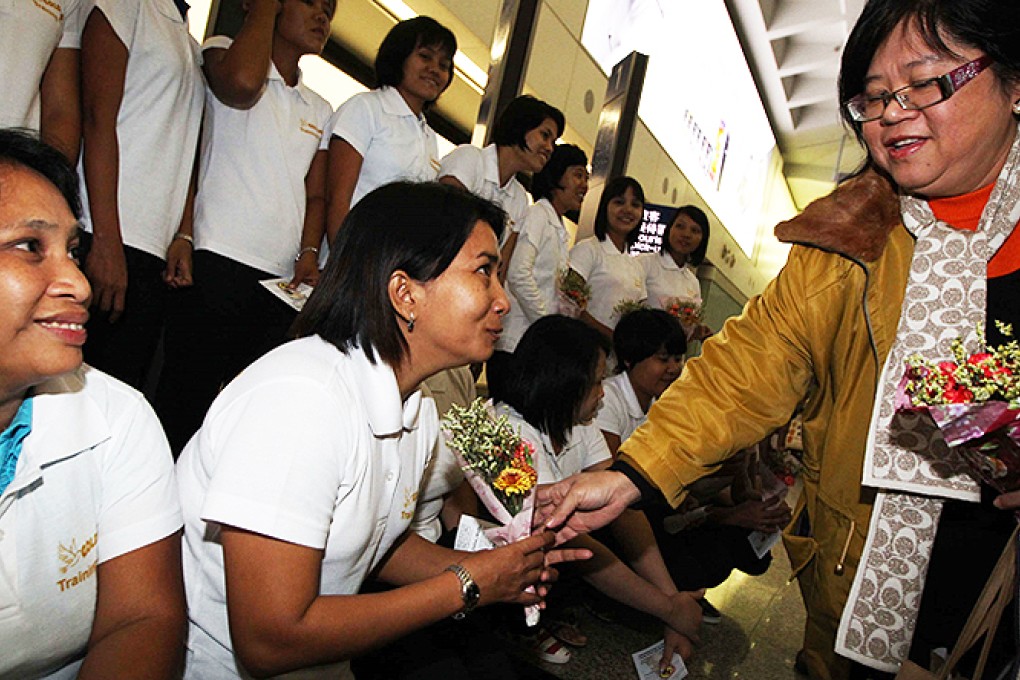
(987, 612)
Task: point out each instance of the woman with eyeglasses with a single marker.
(898, 260)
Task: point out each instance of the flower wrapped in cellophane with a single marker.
(499, 465)
(687, 310)
(572, 293)
(974, 400)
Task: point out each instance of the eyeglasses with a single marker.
(916, 96)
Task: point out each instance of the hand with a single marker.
(702, 333)
(503, 574)
(1008, 501)
(685, 614)
(584, 502)
(106, 270)
(674, 643)
(178, 264)
(768, 516)
(306, 270)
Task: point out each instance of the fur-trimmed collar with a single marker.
(854, 220)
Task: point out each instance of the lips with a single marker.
(70, 328)
(903, 145)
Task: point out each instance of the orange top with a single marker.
(964, 212)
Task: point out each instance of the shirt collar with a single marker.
(66, 421)
(377, 385)
(300, 87)
(630, 400)
(667, 262)
(490, 157)
(609, 247)
(394, 105)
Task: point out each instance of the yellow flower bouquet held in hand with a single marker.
(573, 293)
(974, 400)
(688, 311)
(499, 466)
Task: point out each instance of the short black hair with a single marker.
(520, 117)
(992, 26)
(415, 227)
(643, 332)
(405, 38)
(548, 178)
(701, 219)
(616, 187)
(21, 148)
(552, 371)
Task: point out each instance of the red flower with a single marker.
(959, 395)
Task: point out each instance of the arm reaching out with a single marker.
(584, 502)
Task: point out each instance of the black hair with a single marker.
(563, 156)
(405, 38)
(552, 371)
(701, 219)
(520, 117)
(415, 227)
(643, 332)
(20, 148)
(992, 26)
(617, 187)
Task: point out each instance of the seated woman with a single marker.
(90, 576)
(552, 394)
(702, 545)
(303, 480)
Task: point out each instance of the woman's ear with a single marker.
(404, 294)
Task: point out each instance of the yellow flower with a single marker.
(513, 480)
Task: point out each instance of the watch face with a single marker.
(471, 595)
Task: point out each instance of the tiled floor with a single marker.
(761, 630)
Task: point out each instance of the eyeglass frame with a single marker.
(949, 83)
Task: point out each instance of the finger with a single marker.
(564, 510)
(294, 282)
(549, 576)
(537, 542)
(561, 555)
(118, 305)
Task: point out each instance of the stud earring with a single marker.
(1016, 107)
(410, 323)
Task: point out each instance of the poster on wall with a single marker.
(653, 226)
(699, 98)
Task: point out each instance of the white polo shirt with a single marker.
(614, 277)
(251, 197)
(158, 121)
(539, 257)
(665, 279)
(29, 34)
(478, 170)
(585, 447)
(94, 481)
(310, 446)
(394, 143)
(620, 413)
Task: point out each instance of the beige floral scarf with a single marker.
(906, 459)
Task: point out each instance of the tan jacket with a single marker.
(824, 326)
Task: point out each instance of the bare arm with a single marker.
(452, 181)
(60, 96)
(612, 441)
(306, 269)
(341, 179)
(237, 75)
(141, 619)
(178, 271)
(104, 66)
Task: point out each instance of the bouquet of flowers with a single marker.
(572, 292)
(625, 307)
(499, 466)
(975, 401)
(688, 311)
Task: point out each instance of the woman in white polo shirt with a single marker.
(305, 475)
(542, 247)
(90, 577)
(382, 136)
(670, 273)
(603, 260)
(142, 100)
(522, 141)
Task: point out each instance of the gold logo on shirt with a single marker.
(72, 557)
(410, 503)
(310, 128)
(50, 7)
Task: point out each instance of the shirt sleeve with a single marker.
(612, 415)
(355, 122)
(123, 18)
(286, 454)
(75, 13)
(140, 504)
(582, 257)
(596, 450)
(464, 165)
(521, 273)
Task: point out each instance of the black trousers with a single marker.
(126, 349)
(214, 330)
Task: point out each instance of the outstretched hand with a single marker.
(584, 502)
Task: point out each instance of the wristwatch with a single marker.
(469, 591)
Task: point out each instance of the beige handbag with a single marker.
(982, 622)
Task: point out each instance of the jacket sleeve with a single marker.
(521, 273)
(747, 381)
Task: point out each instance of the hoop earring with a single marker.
(410, 323)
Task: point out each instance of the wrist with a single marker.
(306, 250)
(469, 591)
(187, 238)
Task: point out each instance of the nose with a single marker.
(500, 302)
(69, 282)
(894, 112)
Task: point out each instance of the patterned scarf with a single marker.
(906, 458)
